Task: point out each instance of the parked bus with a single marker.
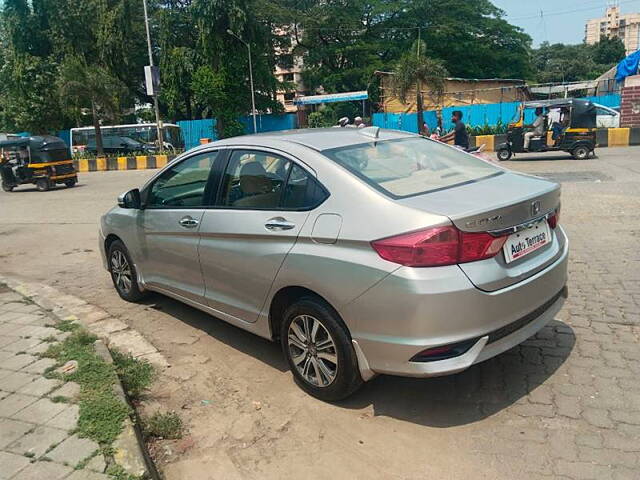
(125, 139)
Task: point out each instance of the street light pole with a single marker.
(253, 98)
(155, 93)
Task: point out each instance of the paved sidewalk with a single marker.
(38, 415)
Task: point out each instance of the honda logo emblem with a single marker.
(535, 208)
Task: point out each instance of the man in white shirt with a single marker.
(538, 128)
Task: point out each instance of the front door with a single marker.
(169, 227)
(263, 203)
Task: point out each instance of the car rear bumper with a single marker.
(416, 309)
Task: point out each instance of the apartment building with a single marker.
(289, 69)
(614, 24)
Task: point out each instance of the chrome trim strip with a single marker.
(522, 226)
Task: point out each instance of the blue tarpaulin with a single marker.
(628, 66)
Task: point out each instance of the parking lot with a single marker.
(565, 404)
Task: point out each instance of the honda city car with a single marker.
(362, 251)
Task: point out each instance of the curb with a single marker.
(140, 162)
(129, 451)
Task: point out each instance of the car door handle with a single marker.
(188, 222)
(278, 224)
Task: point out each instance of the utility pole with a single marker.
(253, 98)
(155, 92)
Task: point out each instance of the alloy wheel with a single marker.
(312, 350)
(121, 271)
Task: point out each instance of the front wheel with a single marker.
(70, 183)
(6, 187)
(318, 349)
(43, 184)
(504, 154)
(581, 152)
(123, 273)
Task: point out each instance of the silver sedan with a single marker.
(362, 251)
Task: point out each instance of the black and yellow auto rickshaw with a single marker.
(43, 161)
(574, 129)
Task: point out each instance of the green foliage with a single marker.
(321, 118)
(164, 425)
(570, 63)
(136, 375)
(486, 129)
(101, 411)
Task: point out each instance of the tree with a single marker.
(93, 86)
(414, 71)
(608, 50)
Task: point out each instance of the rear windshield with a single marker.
(410, 166)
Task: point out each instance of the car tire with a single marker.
(581, 152)
(6, 187)
(123, 273)
(503, 154)
(43, 184)
(329, 370)
(70, 183)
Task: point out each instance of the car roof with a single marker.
(316, 138)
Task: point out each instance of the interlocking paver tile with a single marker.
(21, 345)
(69, 390)
(38, 441)
(86, 475)
(6, 340)
(11, 430)
(73, 450)
(44, 470)
(27, 319)
(40, 386)
(15, 380)
(40, 366)
(14, 403)
(67, 419)
(40, 412)
(18, 361)
(10, 464)
(35, 331)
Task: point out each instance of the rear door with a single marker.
(169, 226)
(264, 200)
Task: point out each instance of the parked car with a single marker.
(607, 117)
(113, 144)
(422, 261)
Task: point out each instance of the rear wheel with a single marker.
(319, 351)
(70, 183)
(123, 273)
(43, 184)
(581, 152)
(504, 154)
(6, 187)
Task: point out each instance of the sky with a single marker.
(562, 21)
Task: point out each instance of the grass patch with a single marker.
(116, 472)
(67, 326)
(164, 425)
(50, 339)
(101, 411)
(59, 399)
(136, 375)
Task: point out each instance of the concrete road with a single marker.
(565, 404)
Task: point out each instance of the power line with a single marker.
(565, 12)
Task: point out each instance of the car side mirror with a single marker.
(130, 199)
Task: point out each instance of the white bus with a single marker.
(125, 139)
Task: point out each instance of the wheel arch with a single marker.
(112, 237)
(285, 297)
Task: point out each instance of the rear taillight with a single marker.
(554, 219)
(438, 246)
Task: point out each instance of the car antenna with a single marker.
(373, 132)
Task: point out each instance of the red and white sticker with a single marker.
(527, 241)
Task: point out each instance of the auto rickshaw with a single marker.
(575, 133)
(43, 161)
